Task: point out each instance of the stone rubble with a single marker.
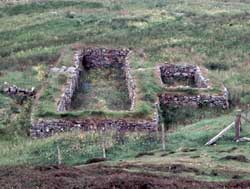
(199, 80)
(14, 91)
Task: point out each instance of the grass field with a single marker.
(103, 89)
(214, 34)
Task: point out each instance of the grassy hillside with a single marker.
(214, 34)
(185, 147)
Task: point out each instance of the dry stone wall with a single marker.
(91, 59)
(46, 128)
(189, 72)
(102, 57)
(192, 73)
(130, 82)
(65, 101)
(195, 101)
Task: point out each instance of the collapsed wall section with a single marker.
(14, 91)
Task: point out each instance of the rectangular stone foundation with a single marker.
(89, 59)
(86, 60)
(102, 87)
(191, 77)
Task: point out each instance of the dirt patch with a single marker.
(178, 168)
(188, 149)
(96, 160)
(228, 150)
(173, 168)
(144, 154)
(167, 153)
(240, 158)
(99, 176)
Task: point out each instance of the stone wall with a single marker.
(130, 82)
(46, 128)
(194, 101)
(199, 80)
(171, 72)
(14, 91)
(65, 101)
(101, 57)
(91, 59)
(191, 73)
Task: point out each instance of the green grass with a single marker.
(213, 34)
(184, 146)
(75, 148)
(103, 89)
(170, 32)
(35, 7)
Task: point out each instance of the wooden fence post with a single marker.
(103, 142)
(163, 136)
(237, 125)
(248, 110)
(59, 155)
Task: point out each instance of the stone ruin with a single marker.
(46, 128)
(188, 74)
(92, 58)
(87, 59)
(194, 101)
(172, 72)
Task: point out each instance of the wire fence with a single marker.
(79, 147)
